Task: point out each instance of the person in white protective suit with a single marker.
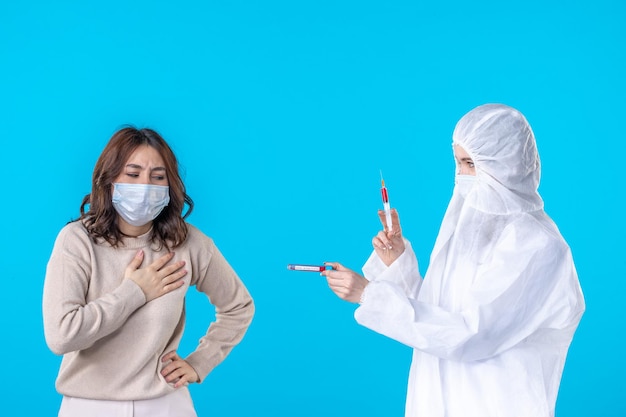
(494, 316)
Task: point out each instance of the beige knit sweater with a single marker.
(111, 340)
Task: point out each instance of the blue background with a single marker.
(281, 114)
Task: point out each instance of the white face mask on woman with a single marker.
(139, 204)
(464, 184)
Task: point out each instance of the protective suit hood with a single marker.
(502, 145)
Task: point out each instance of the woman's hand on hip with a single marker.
(178, 371)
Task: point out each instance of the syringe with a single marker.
(386, 205)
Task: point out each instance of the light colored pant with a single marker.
(176, 404)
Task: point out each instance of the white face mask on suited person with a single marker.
(463, 184)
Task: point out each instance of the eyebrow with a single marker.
(136, 166)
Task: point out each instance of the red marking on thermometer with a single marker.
(386, 206)
(309, 268)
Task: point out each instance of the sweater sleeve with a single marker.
(70, 321)
(234, 309)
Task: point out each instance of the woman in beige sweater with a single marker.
(115, 287)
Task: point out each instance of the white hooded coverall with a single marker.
(492, 320)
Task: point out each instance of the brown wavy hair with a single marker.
(100, 218)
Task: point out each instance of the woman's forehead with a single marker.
(145, 156)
